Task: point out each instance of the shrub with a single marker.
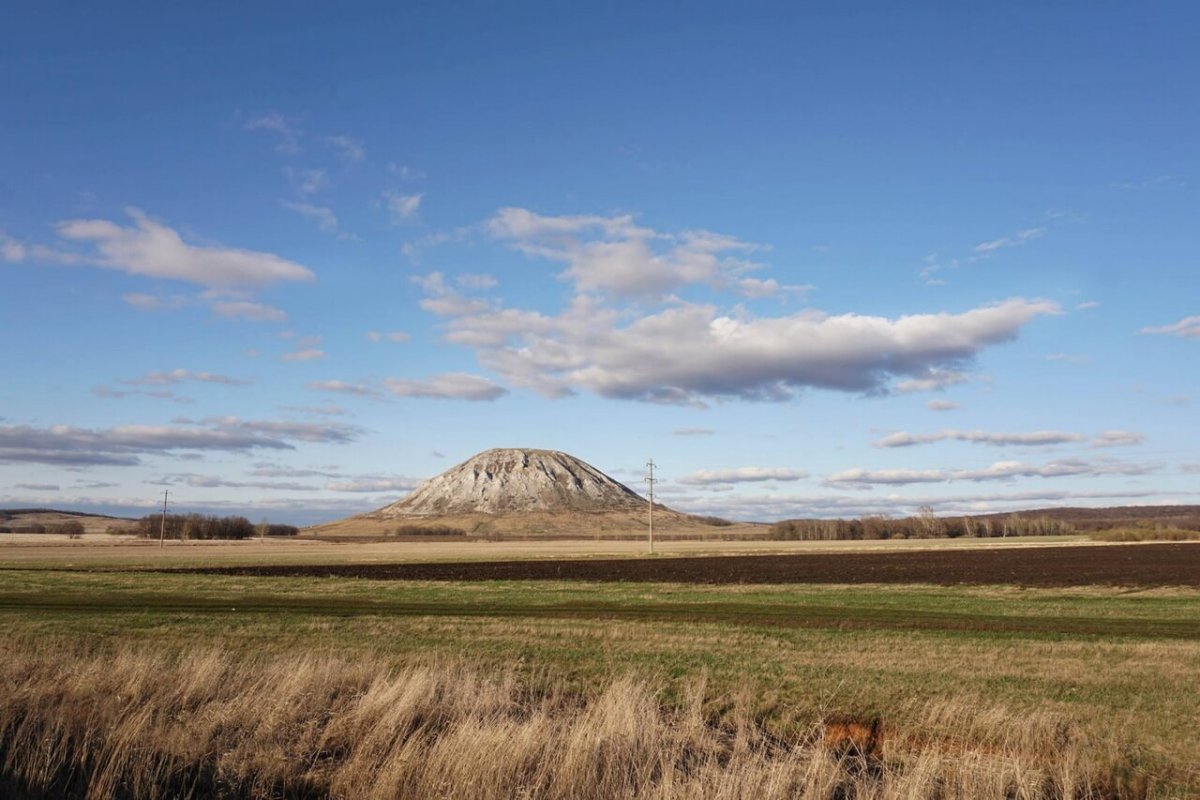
(427, 530)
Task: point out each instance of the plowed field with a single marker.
(1173, 564)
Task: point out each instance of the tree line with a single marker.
(923, 526)
(199, 526)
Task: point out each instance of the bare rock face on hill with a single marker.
(516, 480)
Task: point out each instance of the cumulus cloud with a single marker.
(448, 386)
(1000, 470)
(475, 281)
(941, 405)
(691, 352)
(252, 312)
(1031, 439)
(152, 249)
(125, 445)
(707, 477)
(402, 207)
(1188, 328)
(614, 255)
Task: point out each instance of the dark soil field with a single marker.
(1173, 564)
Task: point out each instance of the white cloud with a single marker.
(1118, 439)
(254, 312)
(782, 506)
(475, 282)
(693, 432)
(176, 376)
(1086, 305)
(152, 249)
(350, 149)
(1000, 470)
(150, 302)
(1031, 439)
(325, 411)
(359, 389)
(932, 381)
(941, 405)
(402, 207)
(707, 477)
(11, 250)
(214, 482)
(325, 218)
(305, 181)
(449, 386)
(124, 445)
(691, 352)
(375, 483)
(1188, 327)
(287, 139)
(160, 394)
(393, 336)
(311, 354)
(1019, 238)
(613, 255)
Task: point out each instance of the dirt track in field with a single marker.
(1173, 564)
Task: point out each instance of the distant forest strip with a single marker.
(199, 526)
(1044, 522)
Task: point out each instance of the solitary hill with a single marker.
(520, 491)
(506, 480)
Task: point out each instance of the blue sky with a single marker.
(287, 261)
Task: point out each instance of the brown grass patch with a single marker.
(135, 723)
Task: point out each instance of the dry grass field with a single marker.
(46, 550)
(135, 683)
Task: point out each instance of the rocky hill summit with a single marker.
(506, 480)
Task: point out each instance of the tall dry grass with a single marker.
(140, 724)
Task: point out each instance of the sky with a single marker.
(287, 260)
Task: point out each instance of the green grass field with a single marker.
(1110, 660)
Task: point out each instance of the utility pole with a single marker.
(650, 479)
(162, 530)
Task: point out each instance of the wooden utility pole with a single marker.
(162, 530)
(650, 479)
